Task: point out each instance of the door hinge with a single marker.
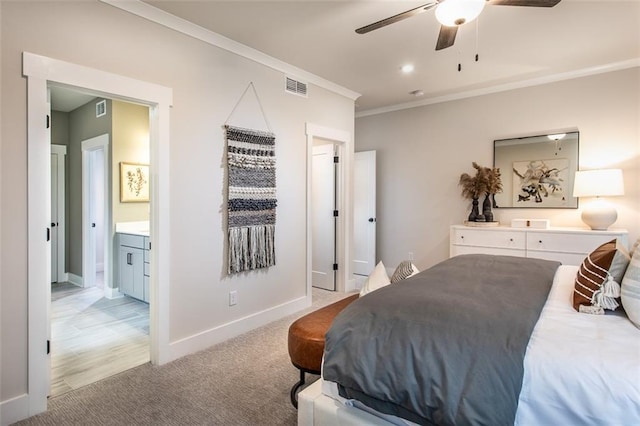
(336, 159)
(48, 121)
(48, 347)
(335, 213)
(335, 266)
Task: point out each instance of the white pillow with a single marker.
(377, 279)
(630, 290)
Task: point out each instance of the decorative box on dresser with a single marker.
(567, 245)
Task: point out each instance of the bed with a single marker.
(555, 365)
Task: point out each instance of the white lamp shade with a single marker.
(597, 183)
(457, 12)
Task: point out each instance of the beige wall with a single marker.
(422, 151)
(206, 82)
(130, 140)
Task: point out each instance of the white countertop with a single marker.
(134, 228)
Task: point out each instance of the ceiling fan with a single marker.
(452, 14)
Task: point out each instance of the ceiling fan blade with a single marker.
(532, 3)
(447, 37)
(395, 18)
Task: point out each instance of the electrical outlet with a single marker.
(233, 297)
(410, 255)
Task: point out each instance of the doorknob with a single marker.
(93, 225)
(53, 224)
(371, 219)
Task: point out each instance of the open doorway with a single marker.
(343, 145)
(324, 215)
(96, 330)
(95, 212)
(40, 72)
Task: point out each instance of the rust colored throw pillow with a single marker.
(597, 284)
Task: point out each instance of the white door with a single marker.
(322, 218)
(94, 211)
(364, 212)
(58, 153)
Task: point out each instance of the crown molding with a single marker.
(153, 14)
(584, 72)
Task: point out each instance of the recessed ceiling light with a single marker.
(416, 93)
(407, 68)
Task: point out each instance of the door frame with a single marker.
(344, 143)
(89, 267)
(40, 71)
(61, 152)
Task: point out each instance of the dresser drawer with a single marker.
(483, 238)
(457, 250)
(566, 242)
(564, 258)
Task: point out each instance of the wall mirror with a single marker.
(537, 171)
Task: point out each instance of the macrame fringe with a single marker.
(251, 247)
(606, 295)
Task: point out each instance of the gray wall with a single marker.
(206, 82)
(59, 128)
(83, 125)
(421, 153)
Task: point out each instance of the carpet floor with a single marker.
(243, 381)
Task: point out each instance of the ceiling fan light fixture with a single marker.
(452, 13)
(407, 68)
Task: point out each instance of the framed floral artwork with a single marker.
(134, 183)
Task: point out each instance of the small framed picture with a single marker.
(134, 183)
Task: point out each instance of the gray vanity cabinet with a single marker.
(132, 252)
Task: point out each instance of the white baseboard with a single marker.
(352, 285)
(226, 331)
(112, 293)
(359, 281)
(76, 279)
(14, 410)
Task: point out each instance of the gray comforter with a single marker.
(444, 347)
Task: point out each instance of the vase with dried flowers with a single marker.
(486, 182)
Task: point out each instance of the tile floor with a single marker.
(93, 337)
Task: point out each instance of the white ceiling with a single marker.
(515, 44)
(67, 100)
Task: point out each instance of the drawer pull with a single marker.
(511, 239)
(129, 258)
(539, 241)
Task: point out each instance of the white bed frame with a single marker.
(316, 408)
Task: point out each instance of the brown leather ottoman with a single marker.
(306, 340)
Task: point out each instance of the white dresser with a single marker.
(567, 245)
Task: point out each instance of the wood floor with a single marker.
(93, 337)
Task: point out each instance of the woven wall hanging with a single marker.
(251, 201)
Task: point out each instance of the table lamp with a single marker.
(598, 214)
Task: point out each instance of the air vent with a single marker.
(101, 108)
(295, 87)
